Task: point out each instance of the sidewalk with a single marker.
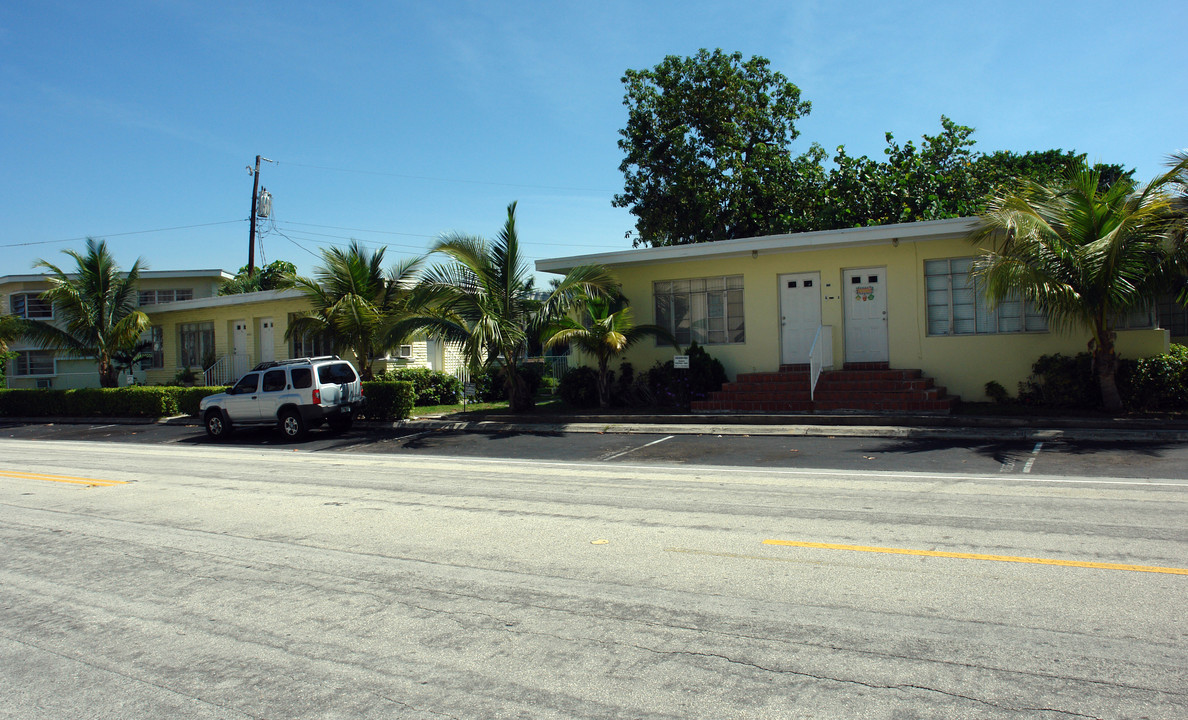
(965, 427)
(952, 427)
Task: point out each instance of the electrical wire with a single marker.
(122, 234)
(448, 180)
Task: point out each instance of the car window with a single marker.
(302, 377)
(337, 373)
(247, 384)
(274, 380)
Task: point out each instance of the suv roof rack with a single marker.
(293, 361)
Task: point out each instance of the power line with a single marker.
(407, 234)
(121, 234)
(448, 180)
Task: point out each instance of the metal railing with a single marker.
(820, 356)
(219, 373)
(557, 364)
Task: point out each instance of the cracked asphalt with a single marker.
(151, 576)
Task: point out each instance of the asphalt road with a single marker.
(181, 579)
(1126, 457)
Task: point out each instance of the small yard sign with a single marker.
(680, 362)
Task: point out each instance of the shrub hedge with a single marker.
(388, 400)
(136, 401)
(431, 386)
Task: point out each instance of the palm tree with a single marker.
(11, 328)
(356, 302)
(485, 299)
(1083, 254)
(96, 307)
(604, 330)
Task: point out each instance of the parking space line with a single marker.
(979, 556)
(1034, 454)
(641, 447)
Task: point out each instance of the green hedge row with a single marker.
(385, 401)
(148, 402)
(388, 400)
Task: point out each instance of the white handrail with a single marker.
(217, 374)
(820, 356)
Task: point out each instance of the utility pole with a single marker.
(252, 231)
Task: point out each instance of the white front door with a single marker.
(267, 351)
(239, 352)
(865, 290)
(800, 316)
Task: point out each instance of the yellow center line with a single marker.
(978, 556)
(60, 478)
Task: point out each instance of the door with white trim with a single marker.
(800, 315)
(267, 350)
(865, 290)
(239, 352)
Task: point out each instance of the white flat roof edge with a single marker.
(144, 275)
(224, 300)
(926, 230)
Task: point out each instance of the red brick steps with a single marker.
(866, 386)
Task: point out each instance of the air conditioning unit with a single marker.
(45, 384)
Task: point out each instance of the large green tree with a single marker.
(356, 302)
(1084, 252)
(95, 314)
(942, 177)
(707, 149)
(707, 156)
(603, 327)
(483, 297)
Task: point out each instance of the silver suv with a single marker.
(295, 395)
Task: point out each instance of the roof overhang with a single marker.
(770, 244)
(226, 300)
(213, 274)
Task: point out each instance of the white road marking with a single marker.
(1034, 454)
(641, 447)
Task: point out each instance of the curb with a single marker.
(872, 431)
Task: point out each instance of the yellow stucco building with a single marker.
(898, 295)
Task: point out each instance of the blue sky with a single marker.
(395, 122)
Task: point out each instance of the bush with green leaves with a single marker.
(387, 400)
(1159, 382)
(672, 387)
(1061, 381)
(136, 401)
(431, 386)
(579, 387)
(188, 398)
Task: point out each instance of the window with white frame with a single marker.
(33, 363)
(957, 304)
(30, 306)
(406, 352)
(195, 343)
(156, 297)
(708, 311)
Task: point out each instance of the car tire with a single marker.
(217, 426)
(342, 424)
(291, 425)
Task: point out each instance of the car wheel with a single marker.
(292, 425)
(217, 426)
